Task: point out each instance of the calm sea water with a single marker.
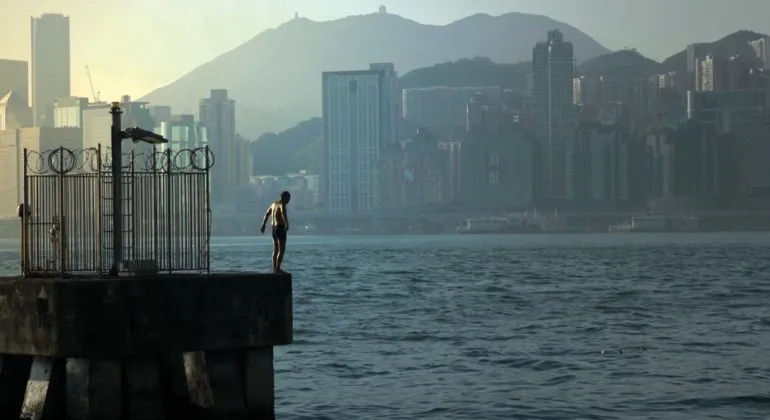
(624, 326)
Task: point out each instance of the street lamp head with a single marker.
(115, 106)
(139, 134)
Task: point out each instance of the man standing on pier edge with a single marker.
(280, 223)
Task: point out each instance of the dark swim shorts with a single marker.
(279, 233)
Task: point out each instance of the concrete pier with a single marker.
(164, 346)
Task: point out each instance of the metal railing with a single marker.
(166, 218)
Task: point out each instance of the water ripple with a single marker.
(520, 327)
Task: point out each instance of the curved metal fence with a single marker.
(166, 218)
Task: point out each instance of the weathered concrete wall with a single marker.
(134, 316)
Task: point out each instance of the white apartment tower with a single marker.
(50, 65)
(552, 83)
(712, 73)
(761, 47)
(361, 114)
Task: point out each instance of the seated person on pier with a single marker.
(280, 223)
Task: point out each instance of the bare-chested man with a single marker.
(280, 224)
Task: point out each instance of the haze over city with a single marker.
(135, 47)
(460, 124)
(354, 209)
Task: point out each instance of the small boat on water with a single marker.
(515, 223)
(657, 223)
(485, 225)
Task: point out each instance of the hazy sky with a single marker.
(135, 46)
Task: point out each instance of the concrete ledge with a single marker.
(111, 318)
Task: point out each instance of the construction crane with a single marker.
(94, 92)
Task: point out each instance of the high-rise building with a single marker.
(359, 120)
(12, 145)
(68, 112)
(761, 47)
(496, 160)
(243, 163)
(728, 110)
(422, 170)
(692, 81)
(442, 107)
(217, 114)
(598, 160)
(587, 90)
(161, 114)
(691, 58)
(182, 132)
(14, 76)
(714, 73)
(676, 81)
(50, 65)
(739, 73)
(553, 77)
(391, 108)
(96, 123)
(698, 79)
(14, 112)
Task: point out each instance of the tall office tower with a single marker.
(692, 69)
(217, 114)
(50, 65)
(553, 73)
(14, 76)
(361, 110)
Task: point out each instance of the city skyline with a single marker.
(566, 143)
(113, 80)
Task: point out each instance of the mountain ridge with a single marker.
(275, 77)
(295, 147)
(735, 43)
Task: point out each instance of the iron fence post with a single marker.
(60, 230)
(132, 210)
(116, 139)
(99, 211)
(25, 218)
(155, 203)
(208, 212)
(169, 233)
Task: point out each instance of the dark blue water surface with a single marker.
(623, 326)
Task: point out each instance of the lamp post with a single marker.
(117, 136)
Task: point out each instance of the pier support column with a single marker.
(14, 374)
(94, 389)
(260, 383)
(198, 385)
(226, 384)
(44, 394)
(145, 399)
